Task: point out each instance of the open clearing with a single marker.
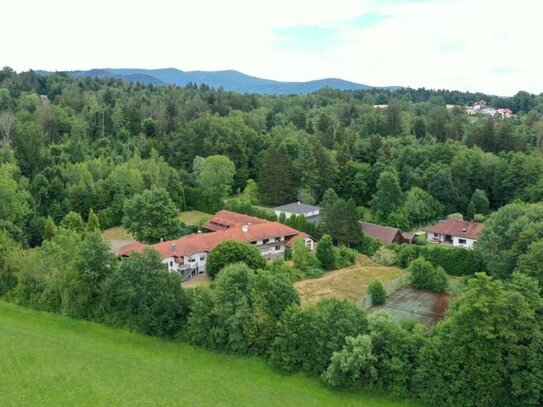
(117, 233)
(350, 283)
(49, 360)
(195, 218)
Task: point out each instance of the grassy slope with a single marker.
(350, 283)
(117, 233)
(194, 217)
(55, 361)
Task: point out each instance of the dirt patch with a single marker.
(426, 307)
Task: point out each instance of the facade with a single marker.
(309, 211)
(457, 233)
(386, 234)
(188, 254)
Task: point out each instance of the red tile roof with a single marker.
(204, 242)
(385, 234)
(458, 228)
(225, 219)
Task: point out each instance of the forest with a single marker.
(83, 154)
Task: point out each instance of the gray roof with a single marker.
(296, 207)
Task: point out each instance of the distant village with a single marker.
(481, 108)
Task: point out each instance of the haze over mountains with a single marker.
(229, 80)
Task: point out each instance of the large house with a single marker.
(457, 233)
(188, 254)
(386, 234)
(297, 208)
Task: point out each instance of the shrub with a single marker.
(345, 257)
(384, 257)
(405, 254)
(302, 257)
(369, 245)
(377, 292)
(424, 275)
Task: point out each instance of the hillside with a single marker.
(49, 360)
(229, 80)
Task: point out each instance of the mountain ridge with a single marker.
(229, 80)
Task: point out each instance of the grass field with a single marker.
(194, 217)
(49, 360)
(350, 283)
(117, 233)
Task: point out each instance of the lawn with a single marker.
(49, 360)
(194, 217)
(350, 283)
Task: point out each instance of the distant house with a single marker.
(297, 208)
(457, 233)
(386, 234)
(188, 254)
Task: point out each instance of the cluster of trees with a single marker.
(76, 144)
(488, 351)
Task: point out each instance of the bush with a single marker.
(377, 292)
(302, 257)
(384, 257)
(425, 276)
(405, 254)
(233, 251)
(345, 257)
(369, 246)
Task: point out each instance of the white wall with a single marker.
(466, 243)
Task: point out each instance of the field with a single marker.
(48, 360)
(350, 283)
(117, 233)
(194, 217)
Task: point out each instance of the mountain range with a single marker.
(229, 80)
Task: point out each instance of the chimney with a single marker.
(245, 228)
(464, 230)
(174, 247)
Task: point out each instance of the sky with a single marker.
(477, 45)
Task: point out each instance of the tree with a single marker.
(480, 202)
(530, 263)
(499, 361)
(233, 251)
(7, 123)
(277, 182)
(377, 292)
(325, 253)
(302, 257)
(14, 208)
(143, 295)
(151, 216)
(420, 207)
(508, 234)
(341, 222)
(352, 366)
(93, 224)
(216, 175)
(49, 228)
(388, 197)
(73, 221)
(250, 193)
(425, 276)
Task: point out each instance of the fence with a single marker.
(390, 287)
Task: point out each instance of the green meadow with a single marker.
(50, 360)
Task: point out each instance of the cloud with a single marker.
(462, 44)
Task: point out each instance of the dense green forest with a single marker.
(79, 144)
(83, 153)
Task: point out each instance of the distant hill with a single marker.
(229, 80)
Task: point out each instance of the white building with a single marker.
(309, 211)
(457, 233)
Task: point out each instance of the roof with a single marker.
(225, 219)
(204, 242)
(296, 207)
(458, 228)
(385, 234)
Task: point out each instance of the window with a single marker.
(253, 242)
(277, 248)
(203, 257)
(435, 234)
(171, 263)
(264, 241)
(462, 241)
(191, 260)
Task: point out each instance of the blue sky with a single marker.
(477, 45)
